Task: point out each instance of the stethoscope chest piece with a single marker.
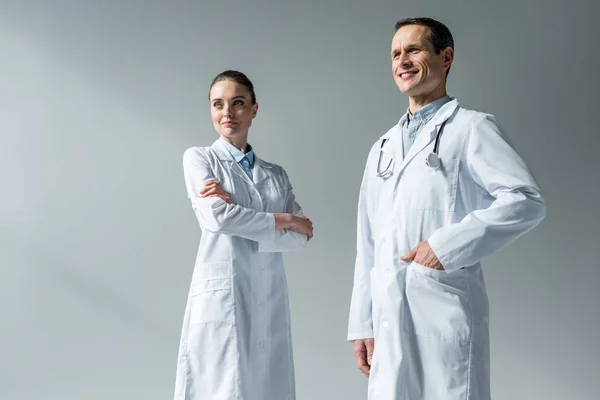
(433, 161)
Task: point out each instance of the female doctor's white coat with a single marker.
(431, 326)
(235, 341)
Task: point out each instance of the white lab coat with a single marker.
(235, 341)
(431, 327)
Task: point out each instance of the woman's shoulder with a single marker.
(197, 153)
(271, 165)
(275, 169)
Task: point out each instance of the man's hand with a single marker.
(295, 223)
(423, 255)
(214, 189)
(363, 352)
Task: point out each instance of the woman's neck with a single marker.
(240, 143)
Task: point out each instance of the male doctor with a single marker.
(442, 190)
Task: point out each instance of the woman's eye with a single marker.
(238, 103)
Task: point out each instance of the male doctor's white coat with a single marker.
(235, 341)
(431, 326)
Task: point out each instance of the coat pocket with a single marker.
(439, 303)
(211, 293)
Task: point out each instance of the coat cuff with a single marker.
(368, 334)
(442, 254)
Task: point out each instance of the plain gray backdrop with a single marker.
(99, 100)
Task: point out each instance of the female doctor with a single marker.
(235, 341)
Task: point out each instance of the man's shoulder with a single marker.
(479, 123)
(471, 115)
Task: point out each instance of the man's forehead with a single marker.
(411, 34)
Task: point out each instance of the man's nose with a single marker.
(405, 61)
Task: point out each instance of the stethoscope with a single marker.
(432, 160)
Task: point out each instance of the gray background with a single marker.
(98, 101)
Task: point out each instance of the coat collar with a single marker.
(259, 171)
(237, 154)
(394, 146)
(429, 132)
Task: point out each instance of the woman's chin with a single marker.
(231, 132)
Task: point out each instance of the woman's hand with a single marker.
(302, 224)
(295, 223)
(214, 189)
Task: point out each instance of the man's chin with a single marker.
(405, 87)
(406, 90)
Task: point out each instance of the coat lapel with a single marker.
(261, 170)
(225, 156)
(429, 132)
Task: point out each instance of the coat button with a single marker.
(385, 324)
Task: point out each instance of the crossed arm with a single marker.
(295, 223)
(287, 231)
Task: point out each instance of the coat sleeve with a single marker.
(284, 239)
(360, 323)
(213, 213)
(511, 202)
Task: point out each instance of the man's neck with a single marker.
(418, 102)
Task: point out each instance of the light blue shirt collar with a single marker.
(237, 155)
(424, 114)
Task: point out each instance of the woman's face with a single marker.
(231, 110)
